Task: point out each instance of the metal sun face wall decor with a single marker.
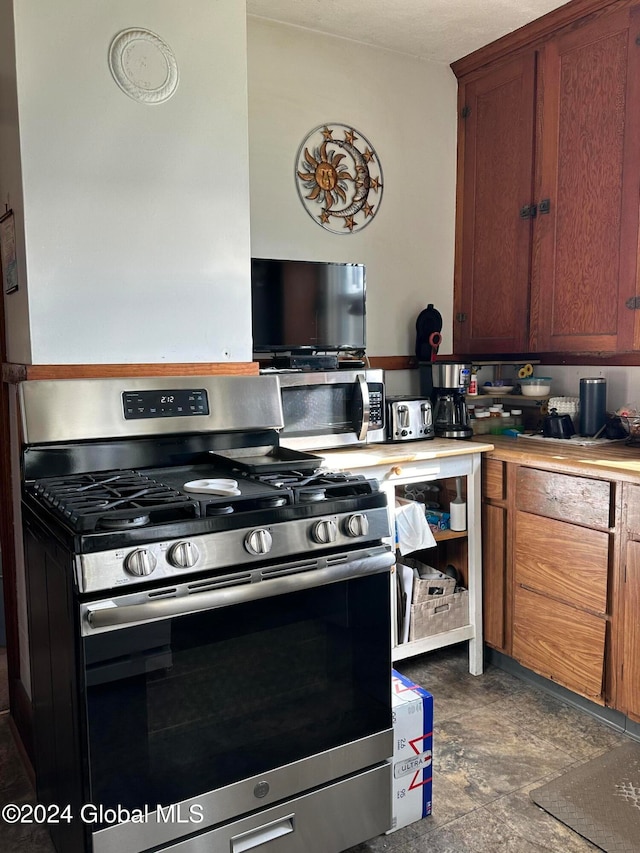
(339, 178)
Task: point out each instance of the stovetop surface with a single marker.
(120, 501)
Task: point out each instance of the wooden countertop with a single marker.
(401, 452)
(612, 461)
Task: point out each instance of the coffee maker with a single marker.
(450, 384)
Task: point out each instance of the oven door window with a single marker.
(179, 707)
(319, 409)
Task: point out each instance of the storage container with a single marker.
(535, 386)
(428, 583)
(439, 613)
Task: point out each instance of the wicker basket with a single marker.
(439, 613)
(428, 582)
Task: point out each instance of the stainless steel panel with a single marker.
(327, 442)
(104, 570)
(140, 608)
(327, 820)
(77, 409)
(450, 374)
(330, 377)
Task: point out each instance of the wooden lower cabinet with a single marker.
(550, 559)
(629, 685)
(559, 642)
(494, 577)
(494, 554)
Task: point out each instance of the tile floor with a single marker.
(495, 738)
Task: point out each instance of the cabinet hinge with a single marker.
(633, 303)
(465, 112)
(461, 318)
(529, 211)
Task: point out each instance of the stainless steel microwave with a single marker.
(332, 408)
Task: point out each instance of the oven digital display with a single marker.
(165, 404)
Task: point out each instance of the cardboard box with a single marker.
(412, 708)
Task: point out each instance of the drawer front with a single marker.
(559, 642)
(563, 496)
(493, 479)
(562, 560)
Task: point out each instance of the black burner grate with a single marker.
(112, 499)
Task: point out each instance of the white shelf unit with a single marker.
(401, 474)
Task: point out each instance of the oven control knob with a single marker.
(140, 562)
(183, 555)
(356, 525)
(258, 541)
(325, 532)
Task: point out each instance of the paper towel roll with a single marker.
(458, 515)
(458, 509)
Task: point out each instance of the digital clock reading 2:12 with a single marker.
(185, 402)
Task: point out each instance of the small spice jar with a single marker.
(481, 424)
(518, 421)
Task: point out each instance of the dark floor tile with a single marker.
(567, 728)
(454, 689)
(487, 756)
(25, 837)
(477, 832)
(14, 782)
(525, 818)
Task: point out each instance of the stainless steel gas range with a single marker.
(209, 623)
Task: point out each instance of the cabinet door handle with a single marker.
(529, 211)
(544, 206)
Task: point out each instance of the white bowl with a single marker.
(497, 390)
(535, 386)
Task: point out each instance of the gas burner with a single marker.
(308, 496)
(268, 503)
(113, 523)
(219, 509)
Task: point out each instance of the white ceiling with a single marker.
(438, 30)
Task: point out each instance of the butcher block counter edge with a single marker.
(399, 453)
(616, 461)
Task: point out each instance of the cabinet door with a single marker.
(559, 642)
(495, 177)
(587, 166)
(630, 682)
(494, 575)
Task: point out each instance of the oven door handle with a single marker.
(363, 428)
(107, 615)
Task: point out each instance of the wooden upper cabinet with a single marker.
(584, 263)
(553, 126)
(495, 181)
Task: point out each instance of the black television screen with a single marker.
(307, 305)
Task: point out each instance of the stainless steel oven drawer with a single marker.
(327, 820)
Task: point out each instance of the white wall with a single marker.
(136, 216)
(299, 80)
(623, 383)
